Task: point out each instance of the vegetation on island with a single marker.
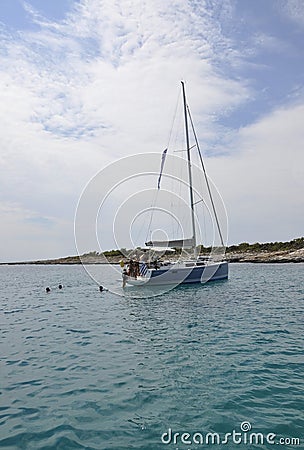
(244, 252)
(257, 247)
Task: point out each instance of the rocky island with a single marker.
(271, 252)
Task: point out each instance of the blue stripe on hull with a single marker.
(199, 274)
(215, 277)
(195, 276)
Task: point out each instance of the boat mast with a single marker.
(189, 163)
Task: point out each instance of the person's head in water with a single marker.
(47, 289)
(60, 286)
(101, 288)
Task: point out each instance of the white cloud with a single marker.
(294, 10)
(26, 235)
(272, 44)
(263, 182)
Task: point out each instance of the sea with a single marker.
(219, 365)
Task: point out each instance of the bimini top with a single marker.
(177, 243)
(159, 249)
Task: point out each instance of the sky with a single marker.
(87, 82)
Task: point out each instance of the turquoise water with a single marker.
(82, 369)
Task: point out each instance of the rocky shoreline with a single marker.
(286, 256)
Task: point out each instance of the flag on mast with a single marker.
(161, 167)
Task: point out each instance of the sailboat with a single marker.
(147, 270)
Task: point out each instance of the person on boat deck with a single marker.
(137, 272)
(124, 278)
(131, 268)
(155, 264)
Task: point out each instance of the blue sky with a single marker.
(84, 83)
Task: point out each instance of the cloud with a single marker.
(144, 50)
(265, 42)
(293, 9)
(262, 183)
(25, 235)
